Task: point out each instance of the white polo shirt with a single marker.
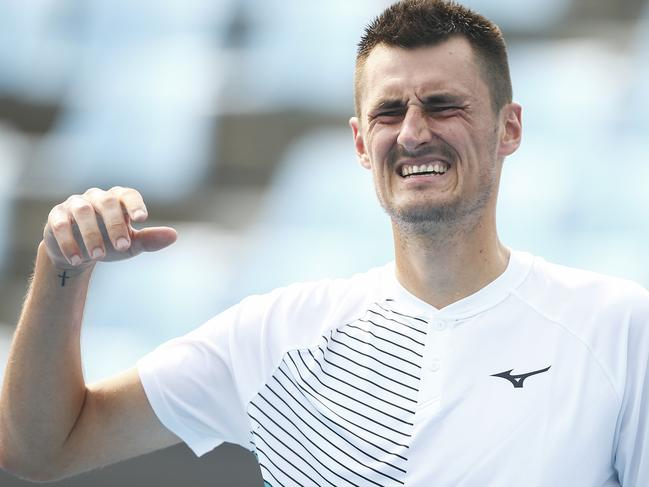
(538, 379)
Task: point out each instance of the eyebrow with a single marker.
(432, 100)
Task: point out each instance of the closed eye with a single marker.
(387, 116)
(438, 109)
(390, 113)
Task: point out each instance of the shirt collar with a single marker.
(518, 267)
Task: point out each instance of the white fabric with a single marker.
(357, 382)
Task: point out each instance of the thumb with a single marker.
(152, 239)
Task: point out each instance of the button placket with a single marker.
(436, 345)
(435, 364)
(437, 341)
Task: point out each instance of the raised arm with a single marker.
(52, 424)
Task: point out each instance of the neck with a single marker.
(446, 265)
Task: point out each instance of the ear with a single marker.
(359, 143)
(512, 125)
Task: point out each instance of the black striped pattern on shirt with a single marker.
(342, 412)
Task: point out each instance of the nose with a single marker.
(414, 129)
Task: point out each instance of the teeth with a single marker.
(438, 168)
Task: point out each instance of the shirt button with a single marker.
(435, 364)
(439, 325)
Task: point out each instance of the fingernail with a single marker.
(121, 244)
(75, 260)
(139, 215)
(97, 253)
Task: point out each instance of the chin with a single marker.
(429, 218)
(417, 214)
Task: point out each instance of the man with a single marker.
(462, 363)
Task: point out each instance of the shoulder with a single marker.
(322, 293)
(602, 310)
(559, 287)
(607, 315)
(295, 315)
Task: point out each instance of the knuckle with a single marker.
(130, 192)
(73, 197)
(82, 207)
(55, 212)
(93, 190)
(66, 204)
(59, 224)
(107, 200)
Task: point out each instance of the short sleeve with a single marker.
(201, 384)
(190, 384)
(632, 446)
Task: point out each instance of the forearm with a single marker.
(44, 389)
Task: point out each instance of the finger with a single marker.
(116, 224)
(152, 239)
(83, 214)
(132, 202)
(60, 224)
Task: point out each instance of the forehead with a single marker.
(398, 73)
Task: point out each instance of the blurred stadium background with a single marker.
(230, 117)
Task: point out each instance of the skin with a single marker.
(421, 106)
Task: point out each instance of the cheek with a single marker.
(380, 142)
(470, 145)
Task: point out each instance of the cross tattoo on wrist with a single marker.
(63, 277)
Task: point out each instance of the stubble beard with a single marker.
(457, 216)
(442, 219)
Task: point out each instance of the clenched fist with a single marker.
(96, 226)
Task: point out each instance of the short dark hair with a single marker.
(417, 23)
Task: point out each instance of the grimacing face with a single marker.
(431, 107)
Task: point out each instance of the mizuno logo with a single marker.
(517, 380)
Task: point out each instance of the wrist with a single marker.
(62, 267)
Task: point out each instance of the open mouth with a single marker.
(436, 168)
